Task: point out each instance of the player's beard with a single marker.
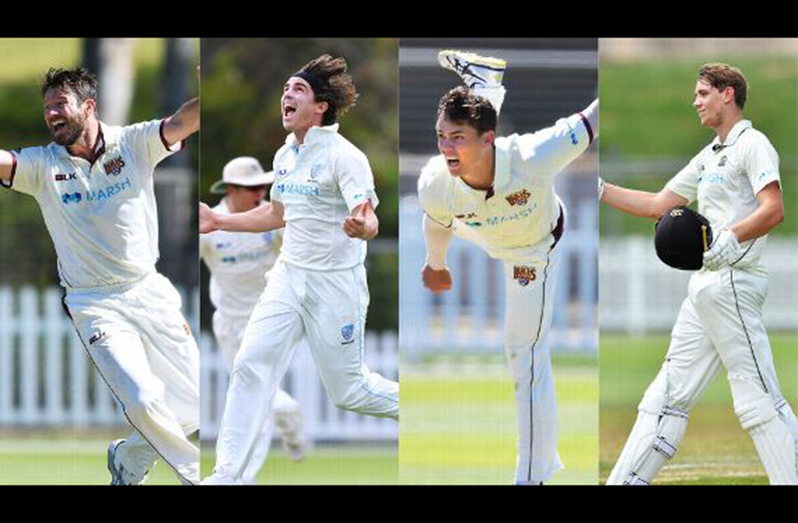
(70, 133)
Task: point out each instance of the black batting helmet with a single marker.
(681, 237)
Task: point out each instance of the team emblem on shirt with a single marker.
(315, 170)
(97, 336)
(347, 333)
(114, 167)
(519, 198)
(525, 275)
(723, 160)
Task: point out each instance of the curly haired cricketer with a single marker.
(736, 182)
(324, 196)
(498, 192)
(94, 185)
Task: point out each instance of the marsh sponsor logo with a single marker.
(96, 195)
(108, 192)
(500, 220)
(297, 188)
(71, 197)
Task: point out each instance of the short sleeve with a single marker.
(761, 162)
(433, 196)
(355, 179)
(685, 183)
(549, 151)
(27, 173)
(148, 141)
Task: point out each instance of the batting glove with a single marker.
(725, 250)
(600, 188)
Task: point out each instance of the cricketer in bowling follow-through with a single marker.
(239, 263)
(498, 192)
(324, 196)
(736, 182)
(94, 185)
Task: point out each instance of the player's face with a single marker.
(65, 118)
(244, 199)
(298, 105)
(710, 103)
(461, 145)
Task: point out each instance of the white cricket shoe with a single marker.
(290, 426)
(475, 70)
(219, 479)
(120, 476)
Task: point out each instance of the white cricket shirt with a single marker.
(725, 179)
(239, 263)
(319, 183)
(521, 209)
(101, 216)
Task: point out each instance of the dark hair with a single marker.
(462, 106)
(337, 88)
(721, 76)
(78, 80)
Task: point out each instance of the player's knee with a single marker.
(141, 406)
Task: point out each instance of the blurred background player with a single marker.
(499, 193)
(94, 185)
(736, 182)
(239, 264)
(324, 196)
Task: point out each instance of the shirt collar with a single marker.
(314, 134)
(733, 135)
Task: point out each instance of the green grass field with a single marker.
(70, 459)
(458, 421)
(715, 449)
(345, 464)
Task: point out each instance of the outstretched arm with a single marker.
(184, 123)
(6, 165)
(260, 219)
(641, 203)
(435, 275)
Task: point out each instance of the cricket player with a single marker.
(735, 180)
(94, 185)
(239, 264)
(498, 192)
(324, 197)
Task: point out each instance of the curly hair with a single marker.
(462, 106)
(720, 76)
(78, 80)
(337, 88)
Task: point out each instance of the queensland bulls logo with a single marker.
(525, 275)
(519, 198)
(114, 167)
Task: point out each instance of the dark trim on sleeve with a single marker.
(165, 143)
(13, 171)
(439, 223)
(587, 126)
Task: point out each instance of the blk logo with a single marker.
(66, 177)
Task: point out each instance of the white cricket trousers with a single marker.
(141, 345)
(229, 333)
(329, 308)
(719, 325)
(529, 306)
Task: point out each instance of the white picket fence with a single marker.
(639, 294)
(47, 380)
